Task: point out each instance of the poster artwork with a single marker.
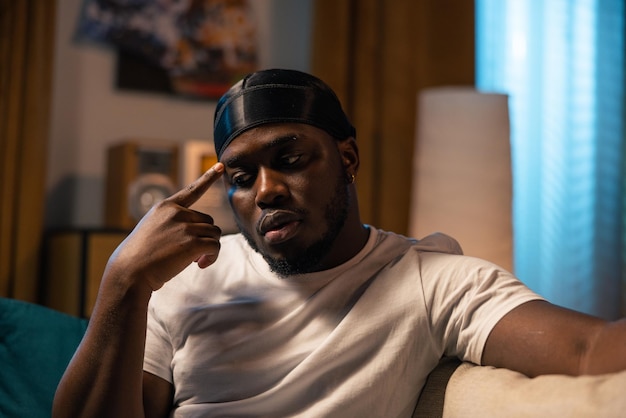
(196, 48)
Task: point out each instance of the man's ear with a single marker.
(349, 153)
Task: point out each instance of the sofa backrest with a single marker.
(36, 344)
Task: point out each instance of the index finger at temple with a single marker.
(190, 194)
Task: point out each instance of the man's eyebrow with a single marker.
(278, 141)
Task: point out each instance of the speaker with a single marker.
(140, 173)
(196, 157)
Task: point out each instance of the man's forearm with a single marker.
(104, 378)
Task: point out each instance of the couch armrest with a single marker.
(431, 400)
(483, 391)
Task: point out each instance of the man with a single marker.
(307, 312)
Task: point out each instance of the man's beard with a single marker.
(336, 213)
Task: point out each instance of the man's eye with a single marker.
(289, 160)
(241, 180)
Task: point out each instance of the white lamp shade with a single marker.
(462, 183)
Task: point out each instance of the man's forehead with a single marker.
(269, 137)
(273, 135)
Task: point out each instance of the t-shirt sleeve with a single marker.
(466, 297)
(158, 351)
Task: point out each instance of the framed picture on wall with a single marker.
(196, 48)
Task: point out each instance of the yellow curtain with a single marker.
(378, 54)
(26, 62)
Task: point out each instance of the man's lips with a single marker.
(278, 225)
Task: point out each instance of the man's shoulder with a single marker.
(440, 243)
(437, 242)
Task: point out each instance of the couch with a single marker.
(36, 344)
(458, 389)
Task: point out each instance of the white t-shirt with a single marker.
(355, 341)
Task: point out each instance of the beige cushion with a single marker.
(480, 391)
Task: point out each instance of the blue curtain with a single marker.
(562, 64)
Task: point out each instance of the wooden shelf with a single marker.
(74, 261)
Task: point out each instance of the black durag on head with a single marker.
(278, 96)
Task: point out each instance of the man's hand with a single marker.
(105, 376)
(169, 237)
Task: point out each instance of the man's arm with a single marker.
(540, 338)
(157, 396)
(105, 377)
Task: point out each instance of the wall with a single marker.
(89, 114)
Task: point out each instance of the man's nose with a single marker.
(271, 188)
